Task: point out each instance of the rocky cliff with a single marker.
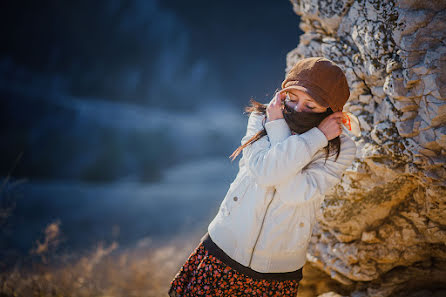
(382, 230)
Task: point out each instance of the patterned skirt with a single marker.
(204, 275)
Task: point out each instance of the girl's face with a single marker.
(302, 102)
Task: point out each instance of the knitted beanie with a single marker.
(320, 78)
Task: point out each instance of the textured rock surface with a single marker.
(382, 230)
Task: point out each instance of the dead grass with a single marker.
(145, 270)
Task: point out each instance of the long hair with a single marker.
(298, 122)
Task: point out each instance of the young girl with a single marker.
(294, 151)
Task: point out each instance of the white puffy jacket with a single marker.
(266, 218)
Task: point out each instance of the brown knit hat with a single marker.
(320, 78)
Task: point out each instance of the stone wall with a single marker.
(382, 230)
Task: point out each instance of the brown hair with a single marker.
(298, 122)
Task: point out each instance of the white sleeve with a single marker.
(320, 176)
(270, 160)
(277, 130)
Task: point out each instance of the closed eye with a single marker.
(294, 102)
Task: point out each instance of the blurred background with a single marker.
(118, 117)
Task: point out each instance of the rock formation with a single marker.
(382, 230)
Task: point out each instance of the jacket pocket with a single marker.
(301, 233)
(235, 194)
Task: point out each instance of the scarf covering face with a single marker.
(300, 122)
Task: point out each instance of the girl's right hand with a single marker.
(331, 126)
(274, 108)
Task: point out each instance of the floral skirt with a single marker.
(205, 275)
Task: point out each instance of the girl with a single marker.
(293, 153)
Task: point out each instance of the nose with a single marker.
(296, 105)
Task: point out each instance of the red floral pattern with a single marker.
(205, 275)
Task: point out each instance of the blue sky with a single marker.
(72, 73)
(145, 51)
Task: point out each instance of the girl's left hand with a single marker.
(275, 107)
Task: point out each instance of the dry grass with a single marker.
(145, 270)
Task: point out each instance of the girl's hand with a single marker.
(275, 107)
(331, 126)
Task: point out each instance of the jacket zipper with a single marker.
(261, 227)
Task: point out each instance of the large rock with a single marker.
(382, 230)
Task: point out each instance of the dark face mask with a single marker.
(301, 122)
